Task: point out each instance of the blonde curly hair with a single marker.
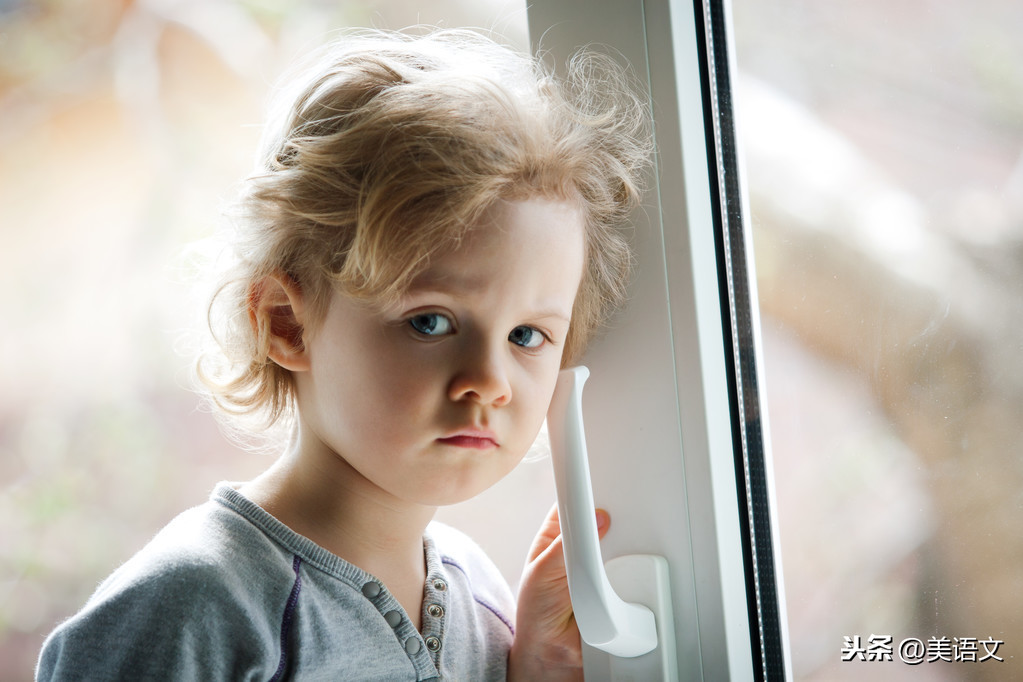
(388, 148)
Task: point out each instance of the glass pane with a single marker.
(884, 150)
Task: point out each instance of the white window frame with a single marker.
(674, 419)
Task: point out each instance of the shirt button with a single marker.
(371, 590)
(435, 610)
(412, 645)
(433, 644)
(440, 585)
(393, 618)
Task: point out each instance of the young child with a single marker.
(433, 232)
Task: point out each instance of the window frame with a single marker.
(688, 398)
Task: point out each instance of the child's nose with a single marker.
(481, 377)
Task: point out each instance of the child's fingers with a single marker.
(551, 531)
(548, 533)
(603, 522)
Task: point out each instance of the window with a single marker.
(672, 412)
(885, 166)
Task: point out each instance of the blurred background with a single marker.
(884, 152)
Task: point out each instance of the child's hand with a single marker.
(547, 645)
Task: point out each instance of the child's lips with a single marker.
(476, 439)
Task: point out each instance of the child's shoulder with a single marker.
(204, 550)
(196, 588)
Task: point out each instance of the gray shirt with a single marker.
(228, 592)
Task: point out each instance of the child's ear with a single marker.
(277, 314)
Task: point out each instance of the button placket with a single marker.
(435, 607)
(389, 609)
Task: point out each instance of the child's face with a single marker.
(435, 399)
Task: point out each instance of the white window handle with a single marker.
(605, 620)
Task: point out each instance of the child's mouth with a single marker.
(471, 438)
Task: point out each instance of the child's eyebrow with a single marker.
(446, 282)
(552, 313)
(454, 284)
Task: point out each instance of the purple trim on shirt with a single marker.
(289, 612)
(479, 600)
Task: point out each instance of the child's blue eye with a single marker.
(431, 324)
(527, 337)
